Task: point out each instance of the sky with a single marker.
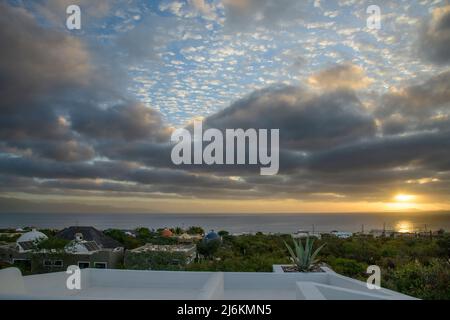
(86, 115)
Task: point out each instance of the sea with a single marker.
(236, 223)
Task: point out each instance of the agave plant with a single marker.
(304, 257)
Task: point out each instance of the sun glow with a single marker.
(404, 197)
(404, 227)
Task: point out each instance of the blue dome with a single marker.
(211, 236)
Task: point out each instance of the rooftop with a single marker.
(171, 285)
(89, 234)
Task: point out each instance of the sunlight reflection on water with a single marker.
(404, 226)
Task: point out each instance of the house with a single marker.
(405, 235)
(305, 234)
(89, 234)
(212, 236)
(87, 247)
(188, 238)
(28, 240)
(154, 257)
(341, 234)
(382, 233)
(166, 233)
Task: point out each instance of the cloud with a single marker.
(306, 120)
(128, 122)
(62, 150)
(427, 150)
(206, 9)
(48, 60)
(343, 76)
(58, 100)
(54, 11)
(435, 36)
(246, 14)
(69, 125)
(417, 107)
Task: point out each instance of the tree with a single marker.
(129, 242)
(143, 233)
(195, 230)
(52, 243)
(177, 230)
(208, 248)
(223, 233)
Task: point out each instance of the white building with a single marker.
(376, 233)
(181, 285)
(28, 240)
(342, 234)
(305, 234)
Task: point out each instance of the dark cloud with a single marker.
(418, 107)
(307, 121)
(435, 36)
(128, 122)
(55, 103)
(51, 169)
(64, 150)
(45, 60)
(429, 150)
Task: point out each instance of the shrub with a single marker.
(52, 243)
(304, 257)
(349, 267)
(424, 281)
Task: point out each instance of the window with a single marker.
(83, 264)
(47, 263)
(58, 263)
(100, 265)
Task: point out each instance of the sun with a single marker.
(404, 197)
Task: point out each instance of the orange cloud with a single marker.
(344, 76)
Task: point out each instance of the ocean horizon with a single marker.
(235, 223)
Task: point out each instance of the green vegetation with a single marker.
(195, 230)
(144, 235)
(129, 242)
(349, 267)
(304, 257)
(154, 260)
(49, 232)
(425, 280)
(415, 266)
(52, 243)
(256, 253)
(9, 238)
(208, 248)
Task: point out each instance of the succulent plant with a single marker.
(304, 257)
